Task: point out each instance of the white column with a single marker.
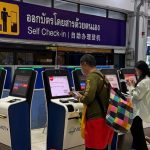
(131, 29)
(143, 33)
(131, 26)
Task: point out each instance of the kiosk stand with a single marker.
(2, 80)
(63, 112)
(113, 78)
(127, 74)
(10, 71)
(15, 112)
(79, 80)
(118, 79)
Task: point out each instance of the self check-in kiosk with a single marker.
(2, 80)
(126, 74)
(63, 112)
(79, 80)
(112, 76)
(15, 112)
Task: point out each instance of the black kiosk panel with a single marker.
(56, 83)
(2, 80)
(23, 83)
(20, 85)
(112, 76)
(127, 74)
(79, 80)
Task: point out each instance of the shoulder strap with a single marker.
(99, 100)
(103, 77)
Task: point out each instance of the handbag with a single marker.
(120, 112)
(83, 121)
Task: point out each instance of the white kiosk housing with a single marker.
(63, 112)
(15, 112)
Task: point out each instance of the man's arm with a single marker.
(90, 91)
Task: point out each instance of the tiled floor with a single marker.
(39, 138)
(77, 148)
(38, 141)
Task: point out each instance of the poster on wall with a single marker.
(33, 22)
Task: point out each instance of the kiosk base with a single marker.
(63, 128)
(15, 127)
(4, 147)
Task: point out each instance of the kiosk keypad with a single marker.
(64, 101)
(74, 100)
(68, 100)
(13, 100)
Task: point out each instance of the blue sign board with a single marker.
(33, 22)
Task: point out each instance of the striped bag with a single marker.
(120, 112)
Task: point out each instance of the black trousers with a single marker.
(137, 131)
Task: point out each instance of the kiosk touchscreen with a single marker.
(59, 83)
(112, 76)
(127, 74)
(63, 111)
(79, 80)
(15, 112)
(2, 80)
(56, 84)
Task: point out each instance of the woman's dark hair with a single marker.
(88, 59)
(143, 67)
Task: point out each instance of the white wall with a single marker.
(149, 12)
(142, 38)
(126, 5)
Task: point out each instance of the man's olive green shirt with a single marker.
(92, 95)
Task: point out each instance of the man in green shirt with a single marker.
(97, 134)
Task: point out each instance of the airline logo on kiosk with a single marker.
(51, 78)
(73, 130)
(9, 19)
(25, 85)
(4, 128)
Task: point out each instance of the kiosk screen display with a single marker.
(130, 77)
(82, 82)
(20, 86)
(59, 86)
(113, 81)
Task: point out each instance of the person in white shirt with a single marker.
(140, 94)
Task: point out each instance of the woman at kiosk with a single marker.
(140, 93)
(97, 134)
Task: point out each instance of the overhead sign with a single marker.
(9, 22)
(33, 22)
